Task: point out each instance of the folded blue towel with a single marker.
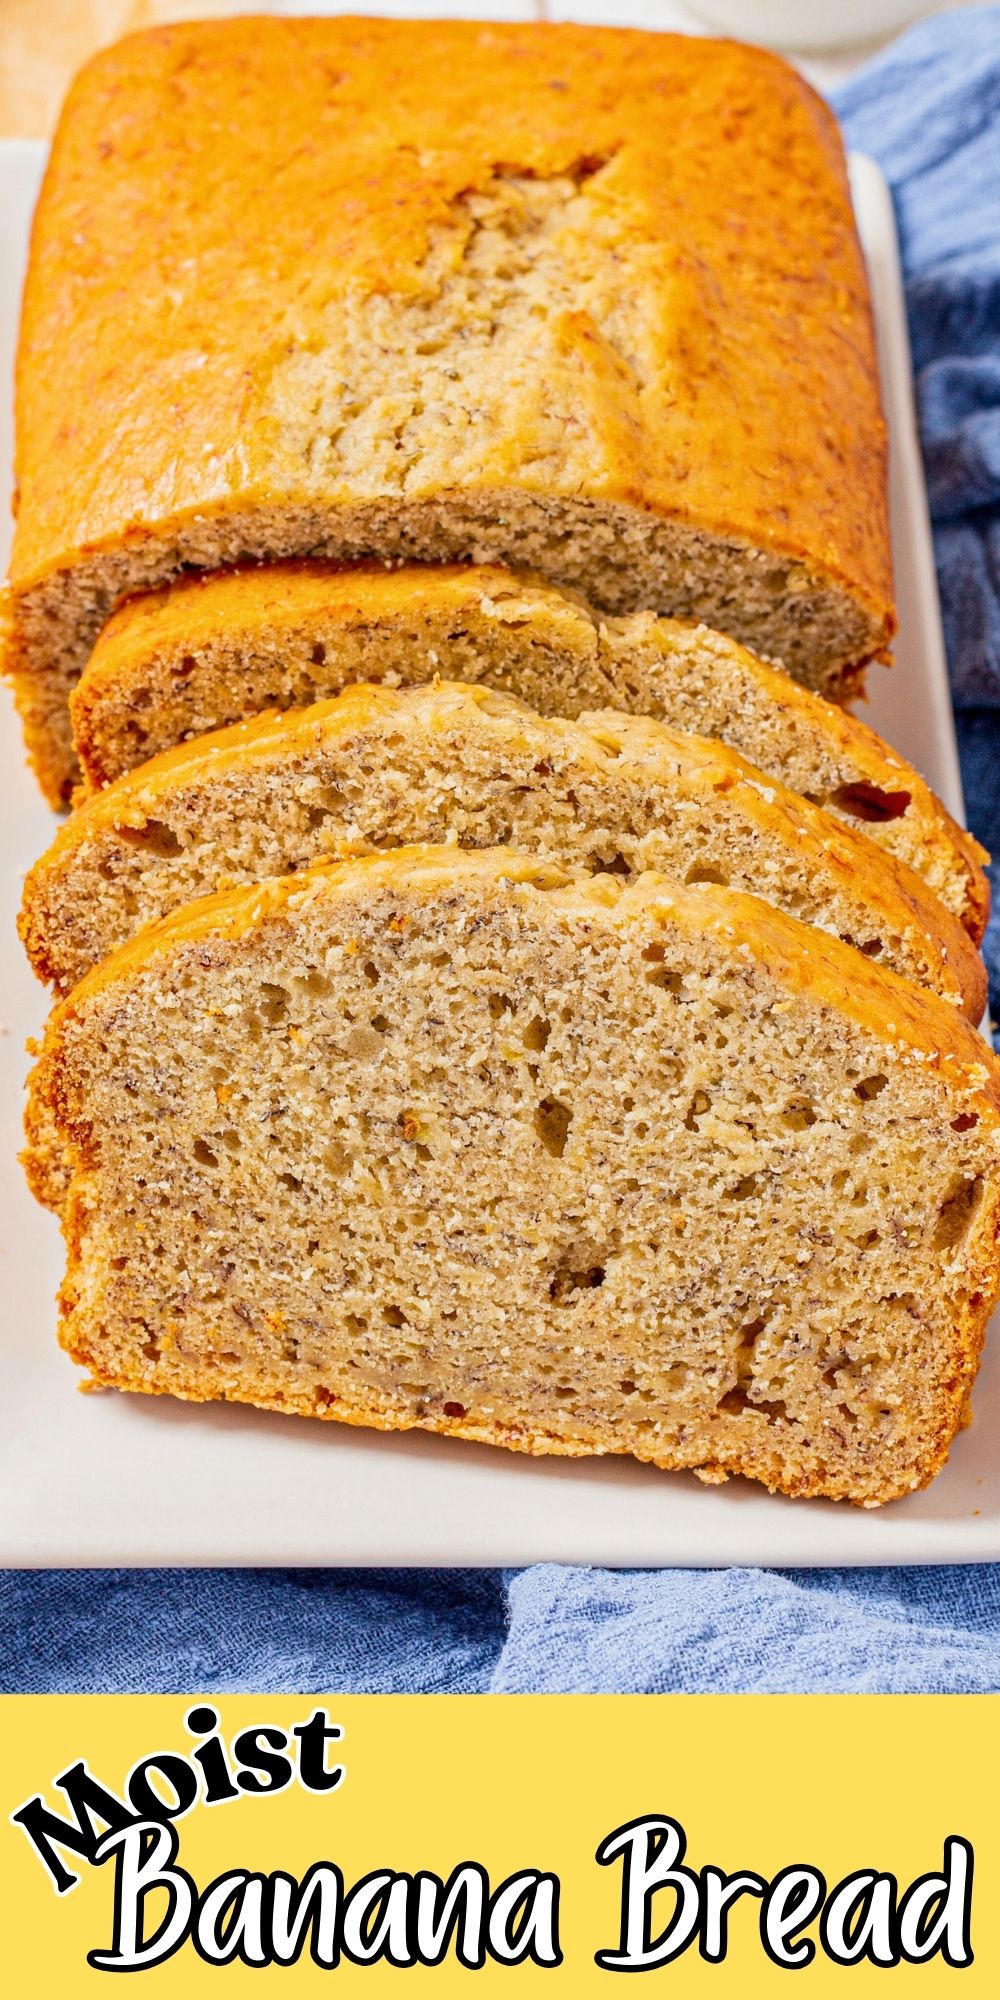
(929, 110)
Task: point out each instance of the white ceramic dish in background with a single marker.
(111, 1479)
(825, 24)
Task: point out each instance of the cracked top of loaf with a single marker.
(375, 265)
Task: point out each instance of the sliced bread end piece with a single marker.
(467, 1142)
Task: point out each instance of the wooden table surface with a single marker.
(44, 42)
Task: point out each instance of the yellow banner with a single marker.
(716, 1844)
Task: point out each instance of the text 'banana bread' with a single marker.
(587, 298)
(465, 1141)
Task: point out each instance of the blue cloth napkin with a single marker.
(929, 110)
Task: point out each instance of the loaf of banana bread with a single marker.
(587, 298)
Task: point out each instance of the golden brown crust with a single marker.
(171, 792)
(44, 1157)
(673, 380)
(286, 597)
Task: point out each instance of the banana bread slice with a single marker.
(470, 1142)
(207, 652)
(380, 768)
(435, 291)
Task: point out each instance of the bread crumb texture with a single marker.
(381, 768)
(475, 1143)
(210, 651)
(448, 291)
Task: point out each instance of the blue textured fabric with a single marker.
(539, 1631)
(929, 110)
(740, 1631)
(255, 1630)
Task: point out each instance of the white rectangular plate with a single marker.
(109, 1479)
